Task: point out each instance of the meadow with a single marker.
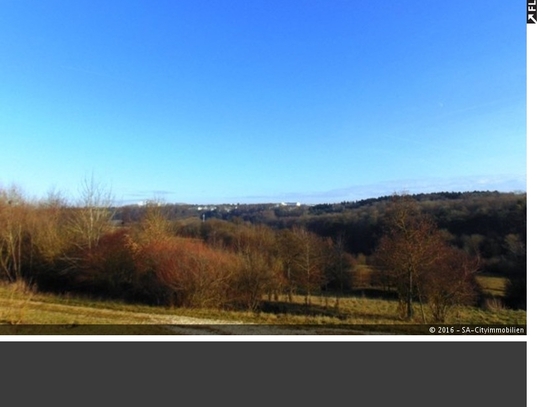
(25, 311)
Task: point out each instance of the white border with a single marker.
(534, 111)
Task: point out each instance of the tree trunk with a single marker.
(410, 296)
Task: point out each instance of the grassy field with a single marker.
(22, 308)
(492, 285)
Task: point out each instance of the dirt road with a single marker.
(20, 317)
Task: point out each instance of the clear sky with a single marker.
(262, 101)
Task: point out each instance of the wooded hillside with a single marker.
(235, 256)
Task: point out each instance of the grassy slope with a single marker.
(20, 307)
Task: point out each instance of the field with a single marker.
(493, 286)
(24, 311)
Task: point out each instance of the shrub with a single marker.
(108, 268)
(184, 272)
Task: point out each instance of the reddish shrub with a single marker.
(109, 267)
(187, 272)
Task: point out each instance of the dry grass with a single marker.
(15, 302)
(492, 285)
(21, 306)
(356, 310)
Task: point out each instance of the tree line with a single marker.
(79, 248)
(236, 263)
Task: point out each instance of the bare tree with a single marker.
(92, 215)
(420, 262)
(450, 283)
(259, 271)
(309, 261)
(155, 225)
(13, 224)
(339, 266)
(49, 230)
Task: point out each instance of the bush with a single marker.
(184, 272)
(108, 268)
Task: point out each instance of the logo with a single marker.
(531, 13)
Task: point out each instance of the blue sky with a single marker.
(262, 101)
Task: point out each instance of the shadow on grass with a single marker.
(309, 310)
(317, 310)
(76, 329)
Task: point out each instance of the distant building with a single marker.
(207, 208)
(291, 204)
(149, 202)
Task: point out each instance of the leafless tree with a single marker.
(420, 263)
(13, 224)
(92, 214)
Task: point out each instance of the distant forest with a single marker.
(489, 224)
